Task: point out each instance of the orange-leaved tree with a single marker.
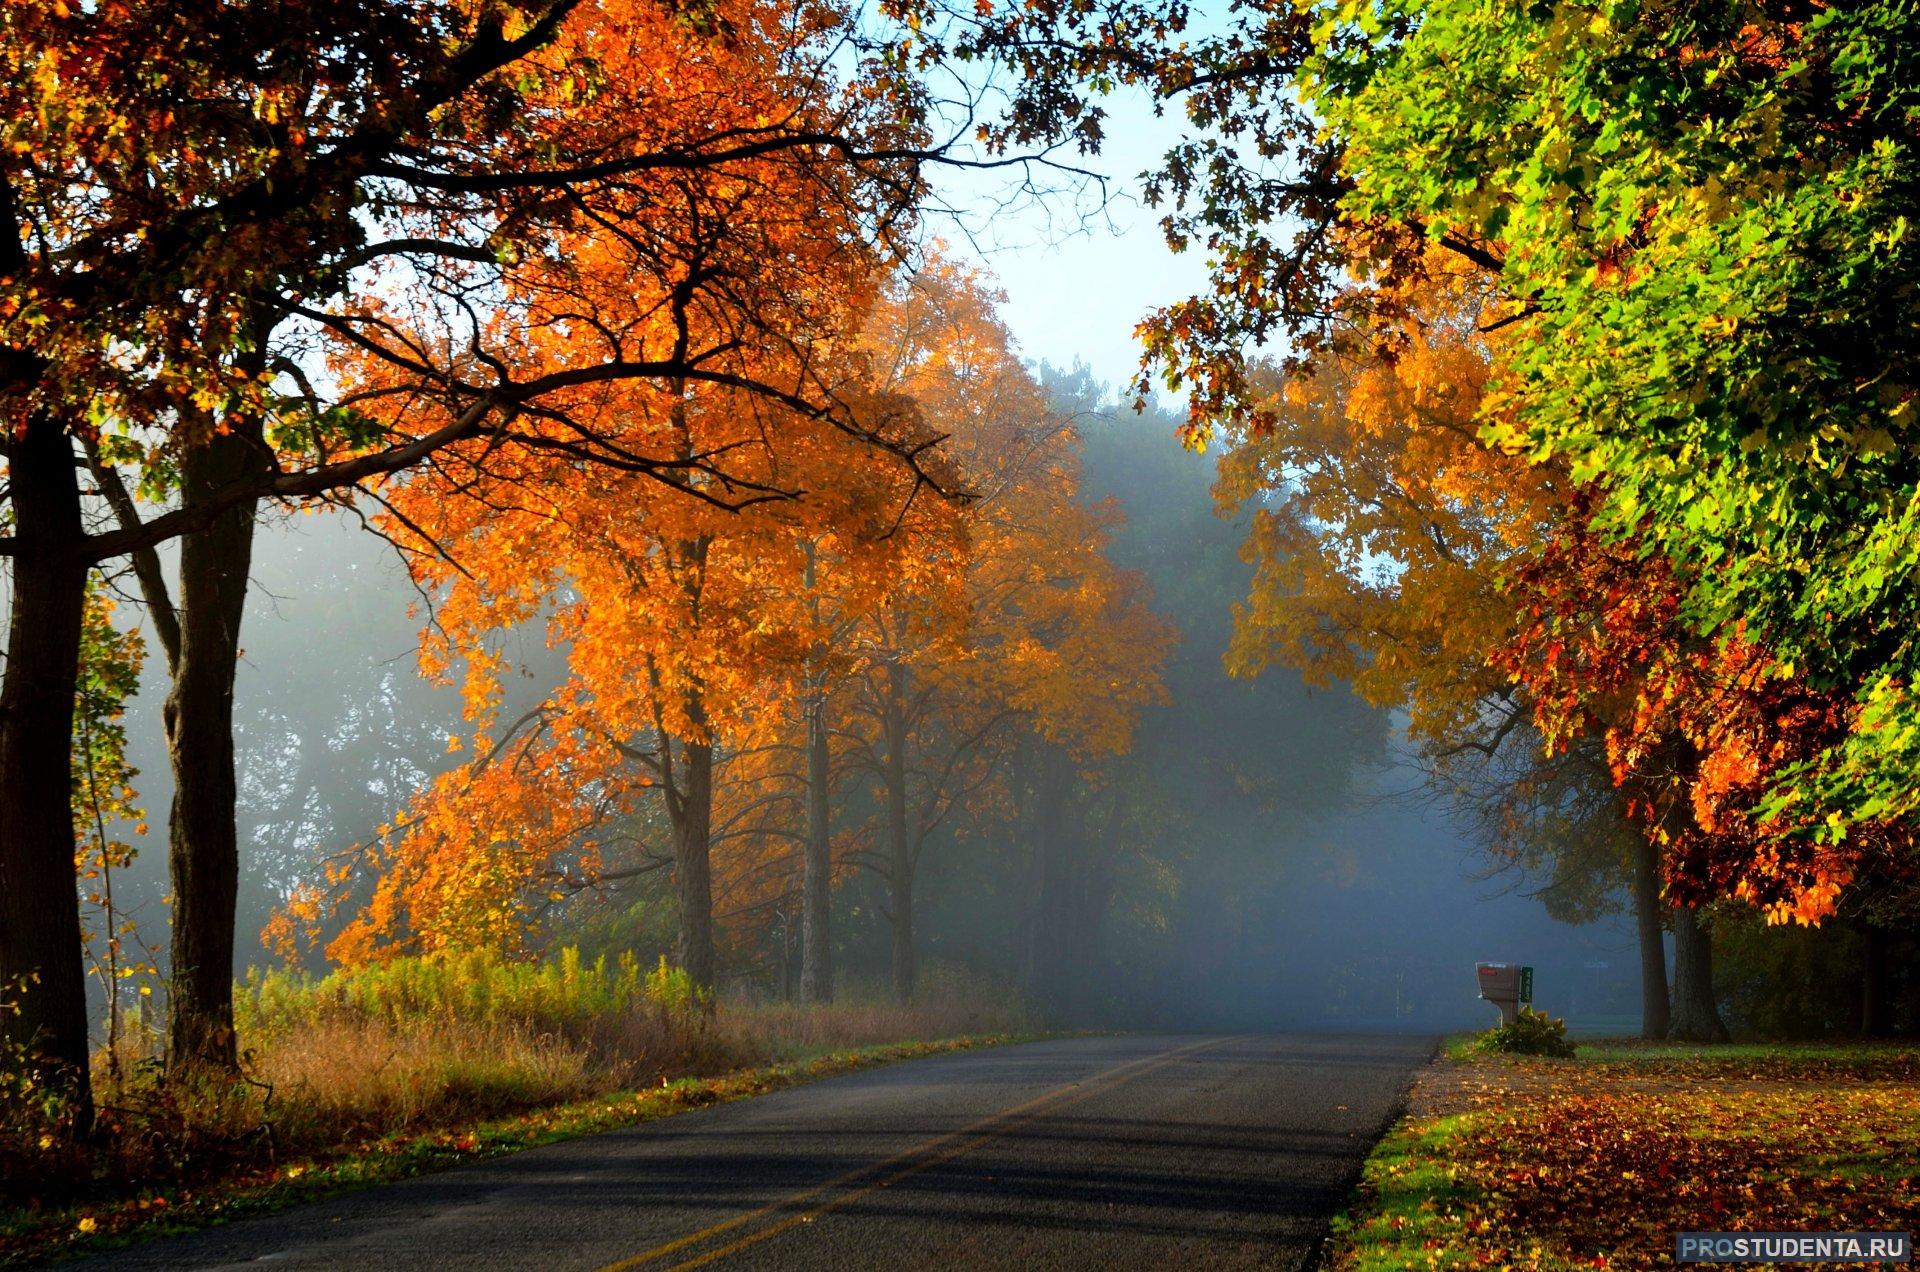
(199, 199)
(1018, 624)
(724, 297)
(685, 631)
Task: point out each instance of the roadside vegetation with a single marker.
(1509, 1161)
(374, 1073)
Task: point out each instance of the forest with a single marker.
(716, 643)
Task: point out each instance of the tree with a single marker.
(1382, 536)
(1702, 214)
(1381, 525)
(816, 882)
(169, 174)
(1012, 621)
(200, 637)
(1068, 653)
(1696, 732)
(103, 794)
(686, 633)
(687, 599)
(1694, 728)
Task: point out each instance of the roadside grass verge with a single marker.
(1411, 1192)
(376, 1074)
(1802, 1055)
(1596, 1162)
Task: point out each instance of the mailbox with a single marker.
(1506, 986)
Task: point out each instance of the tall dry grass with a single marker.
(335, 1063)
(950, 1003)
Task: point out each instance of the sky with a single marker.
(1078, 276)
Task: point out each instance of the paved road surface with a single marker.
(1139, 1152)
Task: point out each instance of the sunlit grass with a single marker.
(1629, 1050)
(1410, 1214)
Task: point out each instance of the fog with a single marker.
(1275, 860)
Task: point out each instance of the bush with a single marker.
(674, 994)
(559, 994)
(1533, 1033)
(36, 1120)
(564, 1022)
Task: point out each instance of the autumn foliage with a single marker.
(1396, 549)
(1381, 525)
(1697, 731)
(289, 253)
(941, 611)
(761, 559)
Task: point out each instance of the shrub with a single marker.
(1786, 981)
(558, 994)
(35, 1121)
(672, 991)
(1533, 1033)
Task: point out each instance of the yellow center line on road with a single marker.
(922, 1156)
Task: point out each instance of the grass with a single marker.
(379, 1073)
(1408, 1184)
(1596, 1162)
(1629, 1050)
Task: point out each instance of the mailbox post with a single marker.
(1506, 986)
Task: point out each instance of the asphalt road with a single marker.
(1136, 1152)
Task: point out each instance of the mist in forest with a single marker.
(1265, 856)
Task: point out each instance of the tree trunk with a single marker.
(900, 883)
(1648, 915)
(816, 882)
(900, 848)
(1046, 933)
(1696, 1015)
(41, 966)
(905, 969)
(1092, 893)
(816, 872)
(790, 968)
(692, 864)
(1876, 998)
(204, 850)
